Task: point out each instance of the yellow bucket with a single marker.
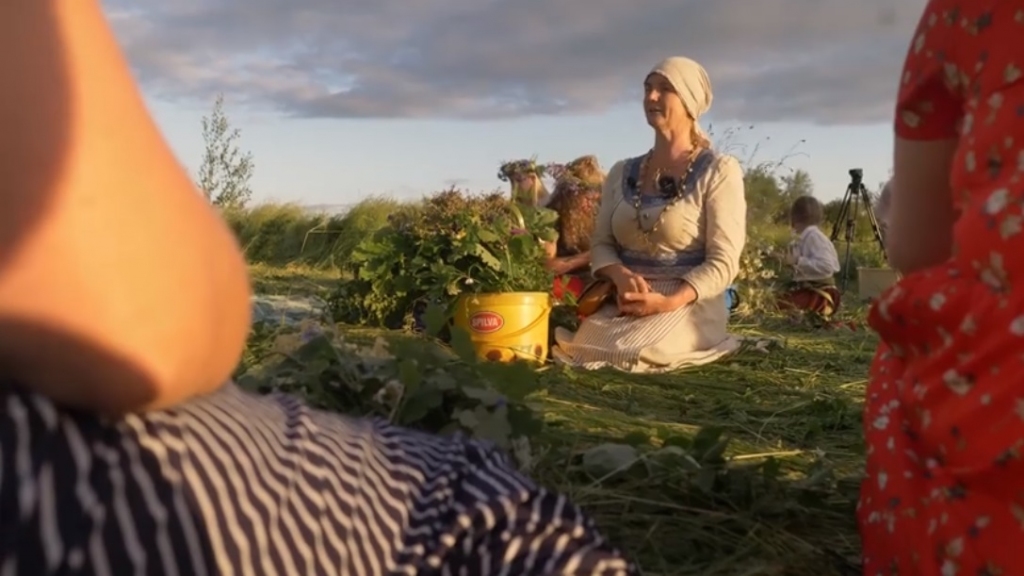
(506, 327)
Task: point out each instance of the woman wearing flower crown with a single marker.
(576, 199)
(667, 240)
(526, 179)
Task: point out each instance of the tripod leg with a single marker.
(843, 219)
(846, 267)
(875, 228)
(851, 236)
(844, 210)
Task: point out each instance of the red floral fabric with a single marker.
(944, 415)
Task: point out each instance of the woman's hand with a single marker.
(650, 302)
(643, 304)
(626, 281)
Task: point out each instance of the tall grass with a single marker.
(278, 234)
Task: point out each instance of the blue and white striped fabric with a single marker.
(234, 484)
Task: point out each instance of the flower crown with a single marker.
(567, 180)
(511, 169)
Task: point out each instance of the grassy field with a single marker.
(294, 280)
(776, 429)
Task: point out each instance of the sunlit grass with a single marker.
(796, 400)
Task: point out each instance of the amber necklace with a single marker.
(675, 188)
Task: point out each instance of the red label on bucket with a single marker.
(486, 322)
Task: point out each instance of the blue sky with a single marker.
(331, 161)
(339, 99)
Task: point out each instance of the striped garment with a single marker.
(260, 486)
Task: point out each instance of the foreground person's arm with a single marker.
(919, 231)
(921, 212)
(120, 288)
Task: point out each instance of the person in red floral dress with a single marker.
(944, 414)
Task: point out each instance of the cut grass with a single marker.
(293, 280)
(796, 403)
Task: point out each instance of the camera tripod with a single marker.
(856, 194)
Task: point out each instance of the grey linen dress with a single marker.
(699, 241)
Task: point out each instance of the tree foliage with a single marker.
(769, 195)
(226, 171)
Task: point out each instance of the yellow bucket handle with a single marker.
(527, 328)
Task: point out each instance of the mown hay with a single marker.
(782, 500)
(797, 405)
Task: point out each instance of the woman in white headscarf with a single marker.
(667, 241)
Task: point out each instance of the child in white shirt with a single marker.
(814, 262)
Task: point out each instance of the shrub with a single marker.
(455, 244)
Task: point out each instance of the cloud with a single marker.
(826, 61)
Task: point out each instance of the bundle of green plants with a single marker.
(456, 244)
(410, 380)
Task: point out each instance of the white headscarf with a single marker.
(691, 83)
